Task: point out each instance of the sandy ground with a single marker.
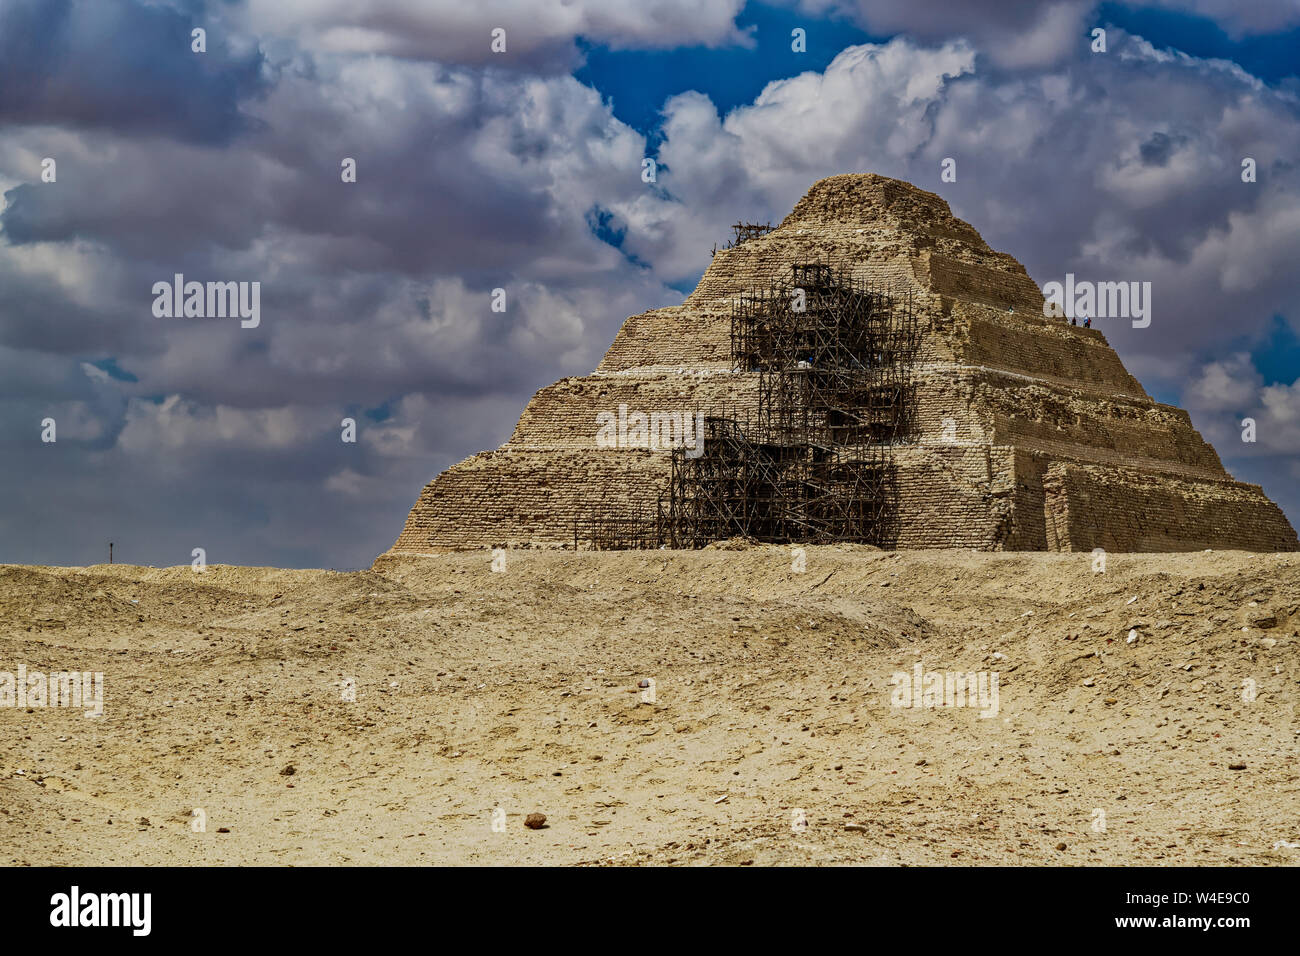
(773, 737)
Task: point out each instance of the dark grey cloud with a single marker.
(124, 65)
(376, 296)
(539, 37)
(1155, 151)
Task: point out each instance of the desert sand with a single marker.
(772, 737)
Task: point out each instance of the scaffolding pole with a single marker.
(814, 462)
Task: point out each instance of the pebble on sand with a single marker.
(535, 821)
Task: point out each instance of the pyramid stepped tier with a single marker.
(520, 498)
(564, 415)
(1027, 433)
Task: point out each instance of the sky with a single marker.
(521, 170)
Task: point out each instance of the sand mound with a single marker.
(1144, 715)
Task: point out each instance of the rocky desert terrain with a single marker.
(418, 712)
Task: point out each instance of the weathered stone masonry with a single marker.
(1032, 435)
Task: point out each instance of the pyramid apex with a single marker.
(870, 200)
(880, 230)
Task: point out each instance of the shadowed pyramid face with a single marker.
(1025, 432)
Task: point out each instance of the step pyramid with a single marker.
(1024, 432)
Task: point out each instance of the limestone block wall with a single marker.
(997, 286)
(1039, 347)
(1123, 509)
(678, 337)
(993, 408)
(1026, 530)
(758, 262)
(565, 414)
(945, 408)
(1113, 430)
(953, 496)
(528, 498)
